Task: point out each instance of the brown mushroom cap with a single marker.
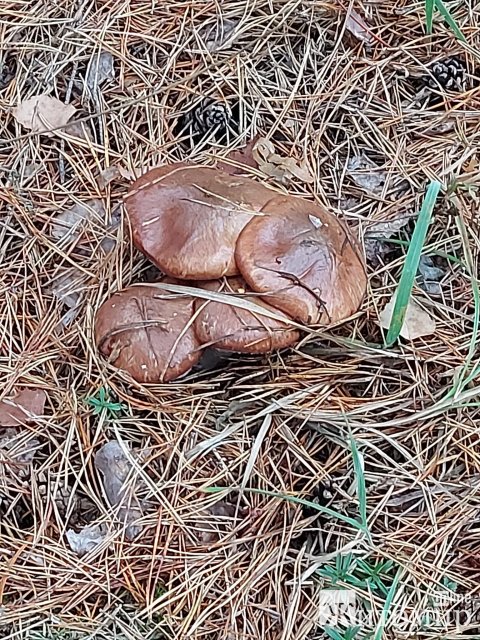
(148, 333)
(235, 329)
(304, 259)
(186, 219)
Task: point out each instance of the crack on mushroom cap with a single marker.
(312, 272)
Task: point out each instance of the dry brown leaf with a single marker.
(116, 468)
(129, 175)
(243, 156)
(25, 406)
(276, 166)
(42, 113)
(417, 321)
(87, 539)
(366, 173)
(115, 173)
(377, 235)
(71, 222)
(85, 222)
(108, 175)
(388, 228)
(80, 130)
(358, 27)
(17, 451)
(68, 286)
(100, 70)
(216, 35)
(212, 522)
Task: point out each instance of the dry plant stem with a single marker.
(61, 159)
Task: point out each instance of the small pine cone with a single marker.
(448, 73)
(60, 494)
(209, 115)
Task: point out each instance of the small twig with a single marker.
(68, 94)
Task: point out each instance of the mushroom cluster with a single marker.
(288, 258)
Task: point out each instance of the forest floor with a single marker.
(346, 464)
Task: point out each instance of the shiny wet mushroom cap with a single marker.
(303, 261)
(148, 333)
(232, 328)
(187, 218)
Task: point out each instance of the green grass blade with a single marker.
(429, 6)
(387, 605)
(411, 263)
(449, 19)
(333, 634)
(282, 496)
(361, 487)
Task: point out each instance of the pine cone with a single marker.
(205, 118)
(209, 115)
(448, 73)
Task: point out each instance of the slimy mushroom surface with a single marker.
(303, 260)
(233, 328)
(148, 333)
(186, 219)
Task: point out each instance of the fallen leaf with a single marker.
(430, 276)
(428, 270)
(116, 467)
(100, 70)
(87, 539)
(276, 166)
(86, 222)
(108, 175)
(25, 406)
(210, 523)
(417, 321)
(388, 228)
(30, 171)
(17, 451)
(216, 35)
(80, 130)
(42, 113)
(366, 173)
(115, 173)
(377, 234)
(69, 222)
(243, 157)
(67, 286)
(358, 27)
(129, 175)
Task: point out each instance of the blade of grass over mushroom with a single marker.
(283, 496)
(238, 301)
(411, 263)
(233, 301)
